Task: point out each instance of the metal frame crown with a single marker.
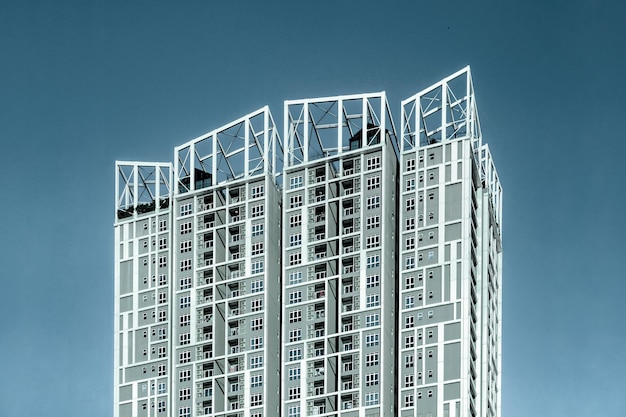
(444, 111)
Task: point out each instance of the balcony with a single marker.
(319, 409)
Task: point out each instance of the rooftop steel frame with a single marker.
(444, 111)
(141, 183)
(329, 126)
(240, 149)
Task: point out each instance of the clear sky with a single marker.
(83, 83)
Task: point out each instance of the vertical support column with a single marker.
(444, 111)
(192, 164)
(418, 127)
(117, 188)
(340, 126)
(305, 151)
(157, 189)
(246, 149)
(266, 142)
(176, 171)
(135, 184)
(363, 122)
(289, 139)
(383, 118)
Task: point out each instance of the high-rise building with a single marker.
(339, 256)
(349, 272)
(449, 344)
(198, 277)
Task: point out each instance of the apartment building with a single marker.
(343, 270)
(198, 273)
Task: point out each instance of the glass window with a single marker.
(296, 182)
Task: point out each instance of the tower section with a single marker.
(339, 257)
(226, 253)
(450, 297)
(143, 258)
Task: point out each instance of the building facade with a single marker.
(346, 271)
(339, 257)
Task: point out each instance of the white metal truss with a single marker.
(141, 187)
(240, 149)
(322, 127)
(444, 111)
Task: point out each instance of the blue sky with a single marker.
(85, 83)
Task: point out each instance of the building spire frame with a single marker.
(444, 111)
